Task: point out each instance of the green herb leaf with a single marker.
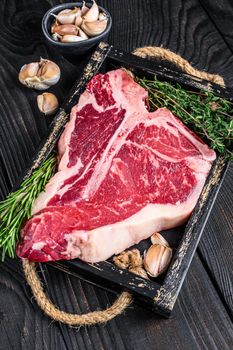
(209, 116)
(18, 205)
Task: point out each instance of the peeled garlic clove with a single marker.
(71, 38)
(40, 75)
(47, 103)
(157, 259)
(102, 16)
(92, 14)
(82, 34)
(94, 28)
(68, 16)
(64, 29)
(157, 238)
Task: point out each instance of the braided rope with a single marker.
(165, 54)
(125, 299)
(50, 309)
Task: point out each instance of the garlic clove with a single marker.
(82, 34)
(157, 259)
(84, 9)
(47, 103)
(92, 14)
(78, 20)
(157, 238)
(39, 75)
(71, 38)
(68, 16)
(28, 71)
(64, 29)
(94, 28)
(102, 16)
(53, 26)
(49, 72)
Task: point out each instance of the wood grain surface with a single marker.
(201, 31)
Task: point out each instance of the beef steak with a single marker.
(123, 174)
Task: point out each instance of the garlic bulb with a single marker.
(94, 28)
(47, 103)
(40, 75)
(157, 238)
(157, 259)
(92, 14)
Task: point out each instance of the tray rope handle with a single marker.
(183, 64)
(125, 298)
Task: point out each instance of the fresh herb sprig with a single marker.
(211, 117)
(18, 205)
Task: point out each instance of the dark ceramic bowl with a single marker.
(81, 48)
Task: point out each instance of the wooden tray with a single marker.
(161, 293)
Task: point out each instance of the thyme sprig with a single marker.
(18, 205)
(209, 116)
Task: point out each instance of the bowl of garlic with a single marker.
(76, 28)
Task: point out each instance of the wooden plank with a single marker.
(220, 13)
(199, 320)
(216, 245)
(181, 26)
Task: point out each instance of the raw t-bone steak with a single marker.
(123, 174)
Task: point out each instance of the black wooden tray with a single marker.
(161, 293)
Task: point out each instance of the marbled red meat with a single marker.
(123, 174)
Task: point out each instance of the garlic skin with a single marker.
(40, 75)
(157, 238)
(71, 38)
(157, 259)
(94, 28)
(47, 103)
(139, 271)
(128, 259)
(92, 14)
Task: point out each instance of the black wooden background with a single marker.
(202, 32)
